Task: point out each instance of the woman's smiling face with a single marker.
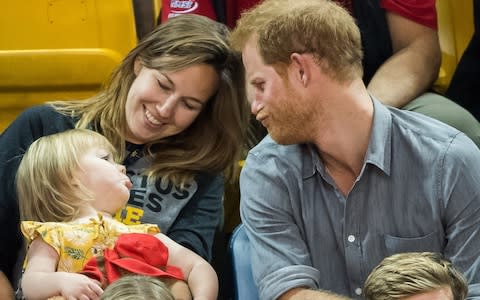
(164, 104)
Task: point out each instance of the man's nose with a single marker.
(255, 106)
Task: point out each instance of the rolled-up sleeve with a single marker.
(280, 257)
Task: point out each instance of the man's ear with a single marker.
(137, 66)
(300, 68)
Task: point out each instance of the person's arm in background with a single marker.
(414, 65)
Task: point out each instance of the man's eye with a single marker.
(259, 85)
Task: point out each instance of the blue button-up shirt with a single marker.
(418, 190)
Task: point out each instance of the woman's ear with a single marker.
(137, 66)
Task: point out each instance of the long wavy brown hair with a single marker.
(214, 142)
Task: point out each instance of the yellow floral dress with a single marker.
(76, 242)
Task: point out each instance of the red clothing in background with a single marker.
(172, 8)
(420, 11)
(235, 7)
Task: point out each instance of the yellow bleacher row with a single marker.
(51, 49)
(455, 29)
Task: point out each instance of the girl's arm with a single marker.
(199, 274)
(41, 281)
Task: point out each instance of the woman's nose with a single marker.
(166, 109)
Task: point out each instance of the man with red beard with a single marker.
(343, 181)
(401, 57)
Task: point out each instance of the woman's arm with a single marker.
(33, 123)
(41, 281)
(6, 291)
(199, 274)
(198, 221)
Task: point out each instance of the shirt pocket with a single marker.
(432, 242)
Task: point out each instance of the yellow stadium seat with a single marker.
(59, 49)
(455, 29)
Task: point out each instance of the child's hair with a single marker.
(47, 191)
(134, 287)
(407, 274)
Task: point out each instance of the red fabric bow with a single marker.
(137, 253)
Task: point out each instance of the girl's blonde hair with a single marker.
(213, 142)
(134, 287)
(47, 191)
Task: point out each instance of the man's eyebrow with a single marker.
(255, 80)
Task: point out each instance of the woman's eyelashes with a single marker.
(164, 86)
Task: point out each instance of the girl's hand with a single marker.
(77, 286)
(179, 289)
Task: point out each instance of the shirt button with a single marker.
(358, 291)
(351, 238)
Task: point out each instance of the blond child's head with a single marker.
(408, 275)
(134, 287)
(45, 181)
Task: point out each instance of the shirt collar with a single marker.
(379, 147)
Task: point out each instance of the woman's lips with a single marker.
(151, 118)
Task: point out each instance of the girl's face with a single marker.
(105, 179)
(164, 104)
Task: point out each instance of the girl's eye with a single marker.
(107, 157)
(260, 86)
